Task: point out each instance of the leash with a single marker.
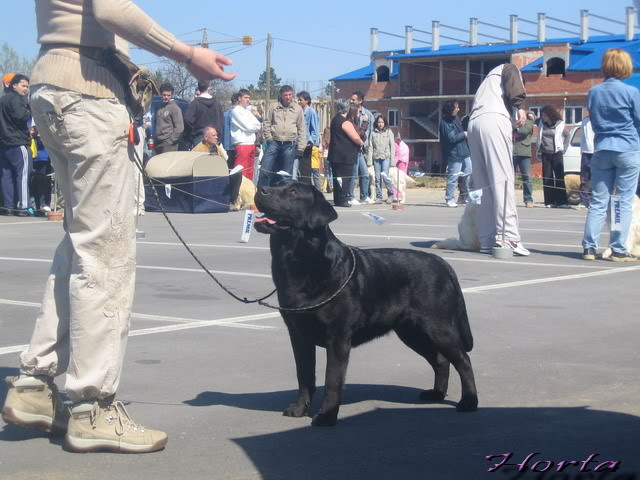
(133, 140)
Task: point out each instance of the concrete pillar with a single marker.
(473, 31)
(374, 40)
(584, 25)
(541, 32)
(435, 35)
(631, 23)
(513, 28)
(408, 38)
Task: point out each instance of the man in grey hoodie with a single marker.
(169, 123)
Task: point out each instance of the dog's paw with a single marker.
(469, 404)
(296, 410)
(324, 420)
(432, 396)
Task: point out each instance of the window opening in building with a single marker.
(555, 66)
(572, 115)
(382, 73)
(392, 117)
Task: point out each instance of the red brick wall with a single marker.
(372, 90)
(572, 82)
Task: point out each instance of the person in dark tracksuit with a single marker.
(15, 157)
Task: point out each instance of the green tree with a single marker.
(276, 83)
(10, 61)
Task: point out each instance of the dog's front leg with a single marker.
(337, 362)
(304, 352)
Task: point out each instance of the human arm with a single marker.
(392, 148)
(351, 132)
(450, 133)
(244, 120)
(19, 109)
(266, 125)
(314, 135)
(635, 109)
(301, 127)
(369, 150)
(513, 88)
(178, 124)
(127, 20)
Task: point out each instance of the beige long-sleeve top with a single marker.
(91, 23)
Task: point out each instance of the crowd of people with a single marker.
(484, 150)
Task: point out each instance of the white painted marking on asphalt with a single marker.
(232, 322)
(32, 222)
(454, 226)
(535, 281)
(243, 246)
(519, 262)
(151, 267)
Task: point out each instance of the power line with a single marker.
(319, 46)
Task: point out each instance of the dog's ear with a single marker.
(322, 213)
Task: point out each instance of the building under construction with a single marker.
(409, 86)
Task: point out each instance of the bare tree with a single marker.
(10, 61)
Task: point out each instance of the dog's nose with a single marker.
(264, 191)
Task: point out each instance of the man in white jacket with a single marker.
(244, 126)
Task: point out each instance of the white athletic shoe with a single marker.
(452, 204)
(368, 201)
(354, 202)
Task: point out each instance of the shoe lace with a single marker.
(118, 414)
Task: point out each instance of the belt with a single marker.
(285, 141)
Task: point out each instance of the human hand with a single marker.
(521, 118)
(207, 64)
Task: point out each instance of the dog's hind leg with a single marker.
(337, 361)
(419, 342)
(304, 352)
(461, 362)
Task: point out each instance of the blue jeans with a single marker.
(277, 156)
(382, 166)
(360, 169)
(523, 164)
(456, 169)
(608, 170)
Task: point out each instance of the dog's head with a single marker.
(292, 206)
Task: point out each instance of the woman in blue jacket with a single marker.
(455, 151)
(615, 115)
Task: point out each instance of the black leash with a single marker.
(259, 301)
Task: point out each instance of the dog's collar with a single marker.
(324, 302)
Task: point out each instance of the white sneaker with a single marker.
(368, 201)
(452, 204)
(354, 202)
(519, 249)
(46, 208)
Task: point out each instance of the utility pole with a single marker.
(205, 39)
(268, 93)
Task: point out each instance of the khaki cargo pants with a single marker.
(83, 323)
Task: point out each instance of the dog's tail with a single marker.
(461, 314)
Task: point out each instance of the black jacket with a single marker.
(14, 118)
(453, 140)
(203, 112)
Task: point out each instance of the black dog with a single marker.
(358, 295)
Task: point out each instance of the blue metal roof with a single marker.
(365, 73)
(584, 56)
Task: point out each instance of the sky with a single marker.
(332, 24)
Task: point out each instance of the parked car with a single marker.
(151, 117)
(571, 160)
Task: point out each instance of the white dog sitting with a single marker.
(633, 237)
(467, 234)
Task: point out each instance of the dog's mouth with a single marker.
(265, 224)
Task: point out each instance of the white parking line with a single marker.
(455, 226)
(152, 267)
(233, 322)
(243, 246)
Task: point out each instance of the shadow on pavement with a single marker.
(439, 443)
(278, 401)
